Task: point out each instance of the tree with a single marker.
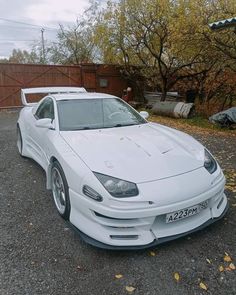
(165, 39)
(23, 56)
(76, 44)
(4, 60)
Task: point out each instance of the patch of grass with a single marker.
(201, 122)
(195, 124)
(205, 123)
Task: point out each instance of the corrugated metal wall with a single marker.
(99, 78)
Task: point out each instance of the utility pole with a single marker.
(43, 46)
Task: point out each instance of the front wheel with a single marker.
(60, 190)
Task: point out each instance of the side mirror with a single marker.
(45, 123)
(144, 114)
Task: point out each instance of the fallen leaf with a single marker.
(232, 266)
(129, 289)
(152, 253)
(203, 286)
(228, 268)
(227, 258)
(221, 268)
(208, 260)
(176, 276)
(118, 276)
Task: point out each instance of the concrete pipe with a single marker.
(173, 109)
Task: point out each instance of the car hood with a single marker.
(139, 153)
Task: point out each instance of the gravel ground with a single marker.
(39, 254)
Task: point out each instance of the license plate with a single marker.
(185, 213)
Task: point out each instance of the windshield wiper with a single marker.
(82, 128)
(123, 125)
(102, 127)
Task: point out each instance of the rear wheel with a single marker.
(60, 190)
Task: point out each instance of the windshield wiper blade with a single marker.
(81, 128)
(103, 127)
(123, 125)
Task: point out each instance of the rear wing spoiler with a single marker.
(47, 90)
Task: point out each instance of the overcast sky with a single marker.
(43, 13)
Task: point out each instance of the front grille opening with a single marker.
(108, 217)
(124, 237)
(220, 203)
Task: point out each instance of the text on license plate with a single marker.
(187, 212)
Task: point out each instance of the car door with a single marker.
(42, 136)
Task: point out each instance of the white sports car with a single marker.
(122, 182)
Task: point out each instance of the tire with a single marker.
(60, 190)
(19, 140)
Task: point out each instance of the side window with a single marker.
(45, 109)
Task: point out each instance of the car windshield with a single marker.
(82, 114)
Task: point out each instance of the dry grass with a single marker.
(197, 124)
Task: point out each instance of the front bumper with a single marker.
(163, 240)
(130, 225)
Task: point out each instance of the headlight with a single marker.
(209, 162)
(118, 188)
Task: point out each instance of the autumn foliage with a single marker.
(172, 47)
(162, 45)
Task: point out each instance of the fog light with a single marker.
(91, 193)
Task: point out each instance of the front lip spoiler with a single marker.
(101, 245)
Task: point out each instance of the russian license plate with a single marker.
(187, 212)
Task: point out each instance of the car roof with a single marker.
(82, 95)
